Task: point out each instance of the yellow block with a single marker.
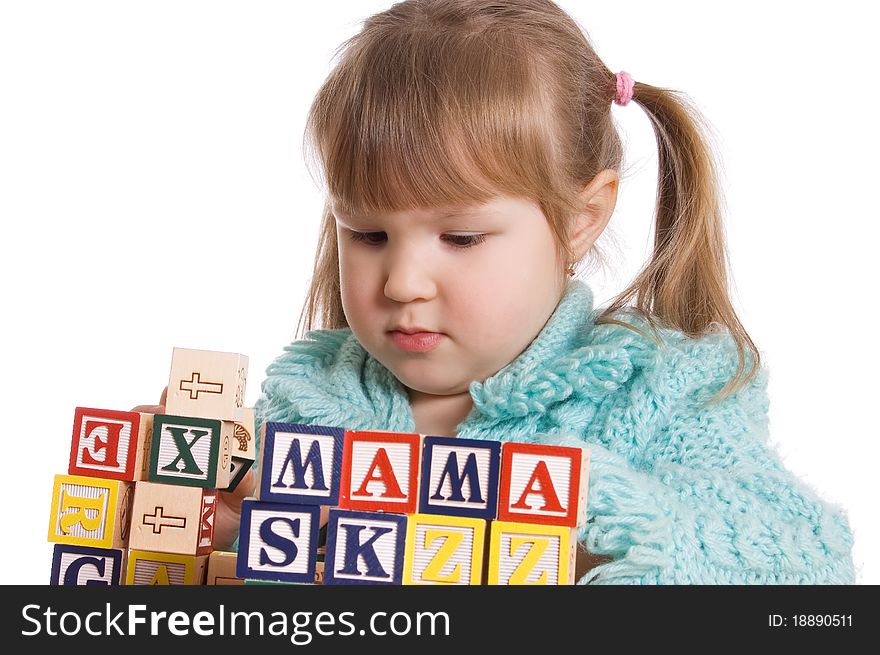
(89, 511)
(443, 550)
(531, 554)
(148, 568)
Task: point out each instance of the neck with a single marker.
(439, 415)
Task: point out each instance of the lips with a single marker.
(416, 341)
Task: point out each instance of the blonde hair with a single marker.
(439, 103)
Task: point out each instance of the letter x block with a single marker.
(147, 568)
(278, 541)
(90, 511)
(301, 463)
(444, 550)
(364, 548)
(81, 565)
(190, 451)
(169, 518)
(206, 384)
(531, 554)
(380, 471)
(110, 444)
(460, 477)
(543, 484)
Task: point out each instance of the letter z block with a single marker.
(81, 565)
(380, 471)
(169, 518)
(460, 477)
(301, 464)
(531, 554)
(206, 384)
(444, 550)
(110, 444)
(190, 451)
(543, 484)
(364, 548)
(90, 511)
(147, 568)
(278, 541)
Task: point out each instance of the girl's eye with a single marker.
(460, 241)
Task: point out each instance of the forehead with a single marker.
(496, 206)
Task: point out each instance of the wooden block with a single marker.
(90, 511)
(531, 554)
(380, 471)
(206, 384)
(364, 548)
(245, 445)
(301, 464)
(190, 451)
(444, 550)
(169, 518)
(83, 565)
(543, 484)
(148, 568)
(278, 541)
(221, 569)
(109, 444)
(459, 477)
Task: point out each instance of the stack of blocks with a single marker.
(138, 502)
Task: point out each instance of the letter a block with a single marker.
(278, 541)
(380, 471)
(190, 451)
(109, 444)
(206, 384)
(530, 554)
(147, 568)
(81, 565)
(460, 477)
(301, 464)
(169, 518)
(444, 550)
(543, 484)
(90, 511)
(364, 548)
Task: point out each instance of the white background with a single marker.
(153, 194)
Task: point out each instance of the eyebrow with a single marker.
(444, 215)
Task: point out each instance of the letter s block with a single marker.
(444, 550)
(380, 471)
(110, 444)
(90, 511)
(364, 548)
(531, 554)
(278, 542)
(81, 565)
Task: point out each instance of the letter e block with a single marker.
(531, 554)
(460, 477)
(172, 519)
(278, 541)
(543, 484)
(364, 548)
(190, 451)
(90, 511)
(380, 471)
(444, 550)
(109, 444)
(206, 384)
(82, 565)
(301, 464)
(148, 568)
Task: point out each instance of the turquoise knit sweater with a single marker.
(677, 494)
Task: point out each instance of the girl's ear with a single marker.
(598, 199)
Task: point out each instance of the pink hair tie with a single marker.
(625, 85)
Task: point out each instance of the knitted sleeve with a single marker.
(711, 503)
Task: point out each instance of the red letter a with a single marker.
(541, 479)
(385, 475)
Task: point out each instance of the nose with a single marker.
(408, 276)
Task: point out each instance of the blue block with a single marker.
(84, 565)
(459, 477)
(364, 548)
(301, 464)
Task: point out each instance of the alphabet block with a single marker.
(278, 541)
(460, 477)
(109, 444)
(221, 569)
(82, 565)
(380, 471)
(148, 568)
(301, 463)
(172, 519)
(190, 451)
(543, 484)
(444, 550)
(206, 384)
(244, 447)
(90, 511)
(364, 548)
(531, 554)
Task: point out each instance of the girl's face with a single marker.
(486, 281)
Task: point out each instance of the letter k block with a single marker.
(190, 451)
(364, 548)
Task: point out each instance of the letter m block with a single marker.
(301, 464)
(364, 548)
(190, 451)
(90, 511)
(543, 484)
(380, 471)
(110, 444)
(460, 477)
(278, 542)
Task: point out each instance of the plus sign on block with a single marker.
(206, 384)
(169, 518)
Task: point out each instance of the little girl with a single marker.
(471, 163)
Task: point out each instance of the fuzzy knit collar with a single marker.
(329, 379)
